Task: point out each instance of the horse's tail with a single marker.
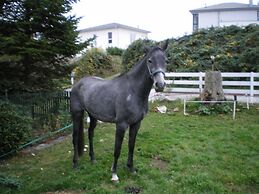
(77, 114)
(78, 133)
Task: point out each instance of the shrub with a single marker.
(134, 53)
(208, 109)
(94, 62)
(11, 182)
(114, 51)
(239, 53)
(14, 127)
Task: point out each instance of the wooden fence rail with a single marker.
(233, 83)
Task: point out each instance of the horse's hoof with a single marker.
(132, 170)
(115, 178)
(75, 165)
(93, 161)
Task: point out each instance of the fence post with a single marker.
(251, 87)
(72, 76)
(234, 109)
(184, 107)
(68, 100)
(200, 82)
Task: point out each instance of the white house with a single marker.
(113, 35)
(225, 14)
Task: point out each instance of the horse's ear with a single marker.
(147, 48)
(165, 45)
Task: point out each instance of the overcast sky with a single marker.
(164, 18)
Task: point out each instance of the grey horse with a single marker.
(122, 100)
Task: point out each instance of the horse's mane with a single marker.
(150, 50)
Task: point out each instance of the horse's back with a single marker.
(97, 96)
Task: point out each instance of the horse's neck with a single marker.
(140, 76)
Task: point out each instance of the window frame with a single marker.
(195, 22)
(109, 37)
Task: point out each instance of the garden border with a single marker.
(208, 102)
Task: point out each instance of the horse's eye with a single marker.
(149, 60)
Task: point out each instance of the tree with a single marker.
(37, 39)
(213, 90)
(250, 55)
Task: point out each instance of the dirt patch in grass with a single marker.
(158, 163)
(133, 190)
(47, 143)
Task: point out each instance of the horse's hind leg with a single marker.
(93, 122)
(78, 135)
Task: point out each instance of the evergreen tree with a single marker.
(37, 39)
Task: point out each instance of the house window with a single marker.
(109, 37)
(195, 22)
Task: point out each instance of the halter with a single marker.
(159, 70)
(152, 74)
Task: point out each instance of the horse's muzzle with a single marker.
(159, 82)
(159, 87)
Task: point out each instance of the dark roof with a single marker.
(112, 26)
(226, 7)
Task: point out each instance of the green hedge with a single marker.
(114, 51)
(94, 62)
(14, 127)
(235, 50)
(134, 53)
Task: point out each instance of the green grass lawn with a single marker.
(173, 154)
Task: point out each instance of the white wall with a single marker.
(101, 37)
(121, 38)
(238, 15)
(208, 19)
(240, 18)
(227, 18)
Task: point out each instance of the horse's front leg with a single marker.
(132, 138)
(120, 132)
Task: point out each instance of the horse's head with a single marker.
(156, 65)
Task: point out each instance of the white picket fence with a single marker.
(189, 82)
